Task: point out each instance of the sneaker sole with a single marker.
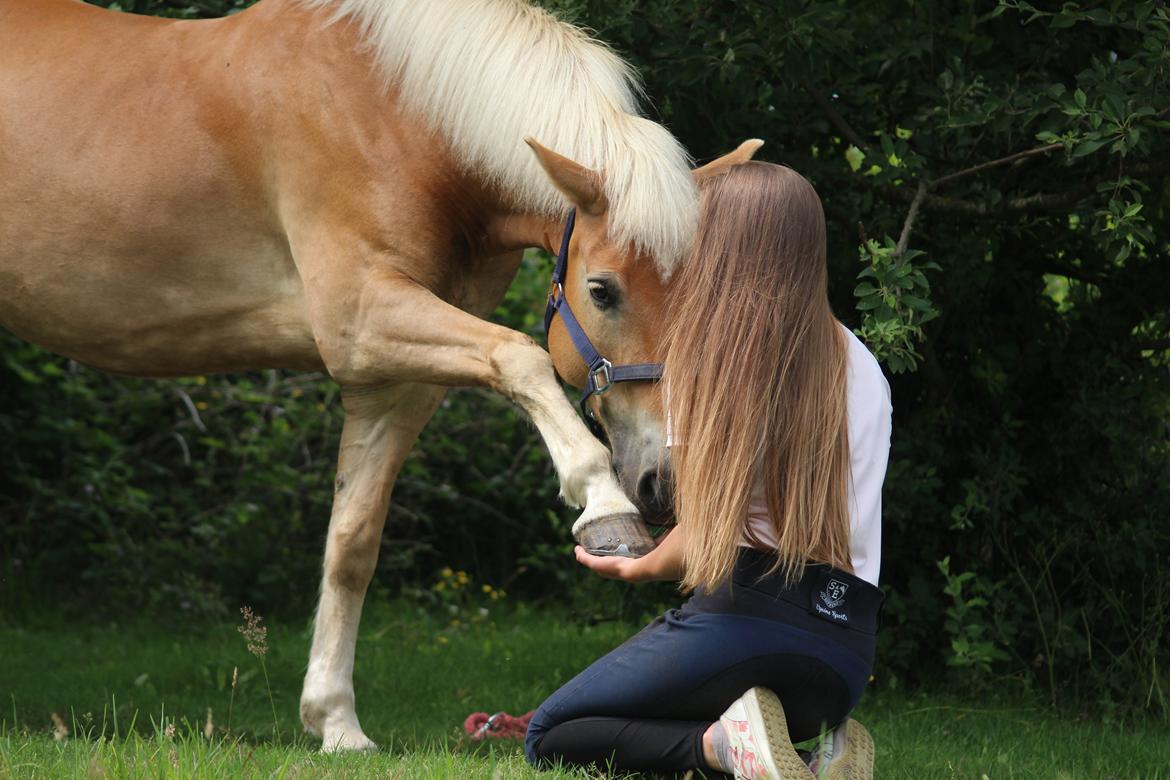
(856, 763)
(766, 716)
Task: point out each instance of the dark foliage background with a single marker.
(996, 173)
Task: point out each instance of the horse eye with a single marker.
(602, 294)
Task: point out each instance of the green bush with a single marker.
(1000, 168)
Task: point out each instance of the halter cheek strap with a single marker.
(602, 373)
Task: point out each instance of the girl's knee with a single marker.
(533, 737)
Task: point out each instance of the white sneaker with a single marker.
(845, 753)
(757, 739)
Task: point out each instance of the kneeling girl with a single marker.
(780, 419)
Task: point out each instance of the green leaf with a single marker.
(854, 157)
(1088, 147)
(916, 303)
(1113, 105)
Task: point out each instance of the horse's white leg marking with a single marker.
(525, 373)
(380, 428)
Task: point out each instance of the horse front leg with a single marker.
(400, 331)
(394, 332)
(380, 428)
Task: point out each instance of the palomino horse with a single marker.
(339, 185)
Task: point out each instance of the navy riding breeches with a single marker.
(645, 705)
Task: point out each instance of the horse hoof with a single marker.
(346, 742)
(623, 535)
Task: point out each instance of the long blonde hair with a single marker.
(755, 378)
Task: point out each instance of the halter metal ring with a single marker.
(601, 378)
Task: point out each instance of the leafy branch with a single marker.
(894, 299)
(892, 329)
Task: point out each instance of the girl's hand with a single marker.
(612, 567)
(663, 563)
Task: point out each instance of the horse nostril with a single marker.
(648, 489)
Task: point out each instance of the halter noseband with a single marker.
(602, 373)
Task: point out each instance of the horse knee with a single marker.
(516, 363)
(352, 556)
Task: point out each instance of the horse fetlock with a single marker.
(330, 715)
(318, 703)
(311, 718)
(588, 477)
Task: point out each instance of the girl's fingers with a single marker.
(610, 567)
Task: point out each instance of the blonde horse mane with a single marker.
(488, 73)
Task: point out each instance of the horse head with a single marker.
(618, 294)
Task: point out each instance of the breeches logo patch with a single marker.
(834, 593)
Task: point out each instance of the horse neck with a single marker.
(335, 74)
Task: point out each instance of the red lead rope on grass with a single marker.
(499, 726)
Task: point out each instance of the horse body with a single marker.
(262, 191)
(152, 183)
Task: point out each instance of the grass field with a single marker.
(148, 691)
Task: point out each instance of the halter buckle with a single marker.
(601, 378)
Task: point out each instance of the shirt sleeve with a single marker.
(870, 415)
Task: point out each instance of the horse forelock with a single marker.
(488, 73)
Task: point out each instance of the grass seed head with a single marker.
(255, 633)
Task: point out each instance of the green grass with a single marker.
(417, 679)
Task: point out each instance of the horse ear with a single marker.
(721, 165)
(581, 185)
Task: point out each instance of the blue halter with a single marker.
(602, 373)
